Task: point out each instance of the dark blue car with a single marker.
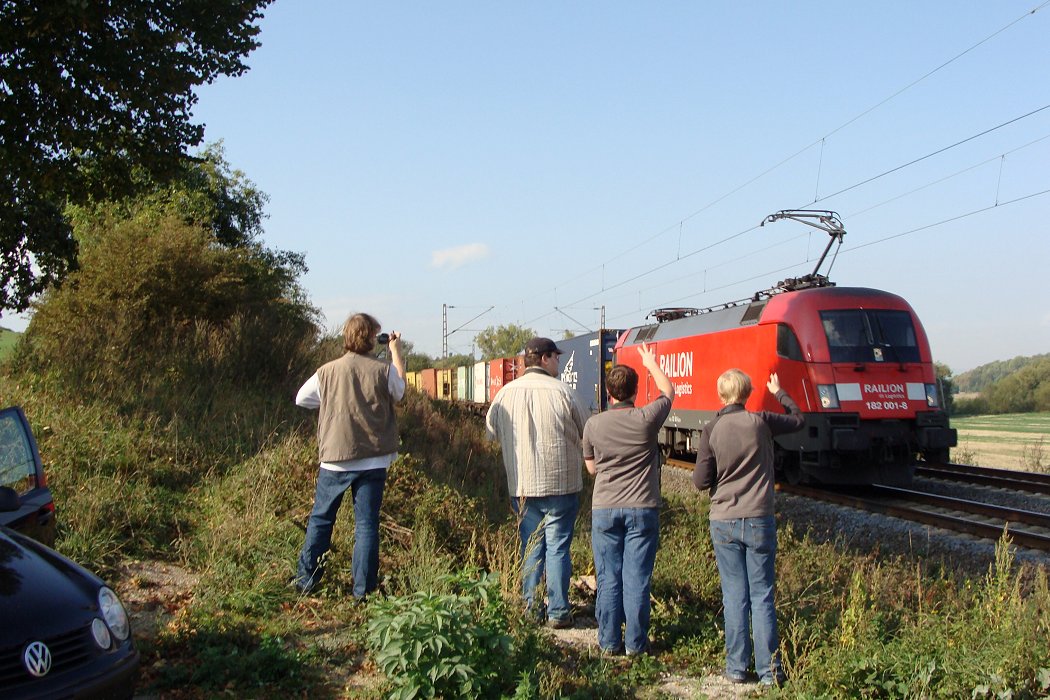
(63, 632)
(21, 470)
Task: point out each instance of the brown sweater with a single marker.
(735, 458)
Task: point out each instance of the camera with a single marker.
(383, 338)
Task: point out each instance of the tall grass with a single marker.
(228, 498)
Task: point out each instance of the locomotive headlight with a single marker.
(829, 396)
(931, 396)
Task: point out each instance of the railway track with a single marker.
(986, 476)
(1026, 528)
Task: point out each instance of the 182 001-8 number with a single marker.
(887, 405)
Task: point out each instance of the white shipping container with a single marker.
(481, 383)
(464, 382)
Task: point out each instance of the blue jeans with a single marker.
(545, 526)
(745, 550)
(624, 541)
(366, 489)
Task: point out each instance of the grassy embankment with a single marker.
(1011, 441)
(225, 494)
(8, 339)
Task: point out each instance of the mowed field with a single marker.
(1011, 441)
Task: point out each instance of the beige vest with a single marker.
(356, 418)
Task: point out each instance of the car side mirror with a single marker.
(9, 500)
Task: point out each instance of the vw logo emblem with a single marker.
(37, 658)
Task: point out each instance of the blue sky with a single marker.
(547, 159)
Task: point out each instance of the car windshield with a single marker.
(17, 468)
(870, 335)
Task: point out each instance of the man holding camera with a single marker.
(357, 440)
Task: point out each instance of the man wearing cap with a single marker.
(538, 421)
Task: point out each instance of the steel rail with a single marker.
(948, 522)
(1003, 478)
(955, 523)
(1036, 477)
(988, 510)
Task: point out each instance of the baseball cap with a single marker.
(541, 346)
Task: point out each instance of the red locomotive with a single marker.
(856, 360)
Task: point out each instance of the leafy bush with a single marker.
(176, 303)
(454, 644)
(160, 318)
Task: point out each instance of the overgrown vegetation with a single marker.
(852, 625)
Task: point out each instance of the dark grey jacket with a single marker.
(735, 458)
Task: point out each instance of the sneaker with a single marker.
(733, 678)
(301, 589)
(778, 680)
(560, 623)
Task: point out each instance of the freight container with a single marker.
(501, 372)
(413, 380)
(480, 394)
(464, 382)
(446, 383)
(583, 364)
(428, 381)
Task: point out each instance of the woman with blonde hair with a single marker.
(735, 462)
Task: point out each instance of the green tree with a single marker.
(415, 361)
(980, 378)
(1021, 391)
(459, 360)
(502, 341)
(944, 379)
(91, 92)
(206, 191)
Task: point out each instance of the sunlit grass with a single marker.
(229, 500)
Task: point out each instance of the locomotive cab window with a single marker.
(787, 343)
(870, 335)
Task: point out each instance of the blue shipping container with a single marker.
(583, 364)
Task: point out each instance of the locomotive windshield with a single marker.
(870, 335)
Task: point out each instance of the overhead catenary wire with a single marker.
(931, 155)
(851, 249)
(821, 140)
(680, 257)
(998, 156)
(609, 285)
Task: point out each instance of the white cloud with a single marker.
(456, 257)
